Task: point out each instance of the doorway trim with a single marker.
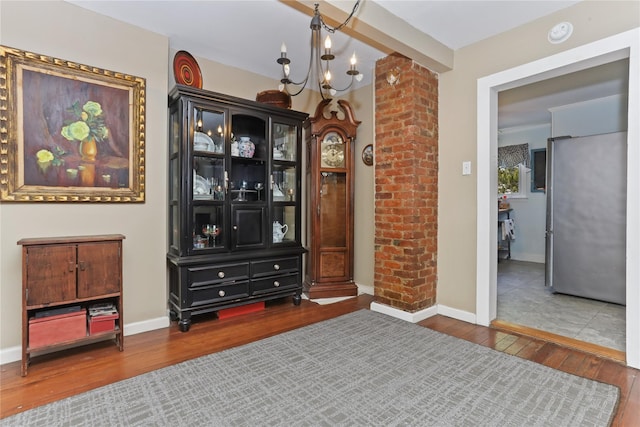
(620, 46)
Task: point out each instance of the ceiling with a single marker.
(248, 34)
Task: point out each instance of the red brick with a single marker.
(406, 183)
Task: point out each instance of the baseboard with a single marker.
(404, 315)
(146, 325)
(365, 289)
(457, 314)
(539, 258)
(444, 310)
(10, 354)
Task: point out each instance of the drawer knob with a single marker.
(276, 283)
(221, 293)
(276, 267)
(221, 274)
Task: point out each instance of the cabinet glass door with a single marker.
(333, 209)
(284, 224)
(284, 183)
(209, 130)
(209, 186)
(284, 142)
(208, 232)
(174, 180)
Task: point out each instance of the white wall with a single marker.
(529, 211)
(594, 117)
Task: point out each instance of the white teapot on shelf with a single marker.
(279, 231)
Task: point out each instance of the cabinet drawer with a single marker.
(274, 284)
(211, 274)
(274, 266)
(222, 292)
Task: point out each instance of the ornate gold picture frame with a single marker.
(69, 132)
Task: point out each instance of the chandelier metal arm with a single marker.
(316, 57)
(306, 79)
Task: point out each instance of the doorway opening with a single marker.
(587, 307)
(624, 45)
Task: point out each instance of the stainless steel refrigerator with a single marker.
(586, 216)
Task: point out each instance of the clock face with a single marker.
(332, 148)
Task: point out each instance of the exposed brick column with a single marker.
(406, 185)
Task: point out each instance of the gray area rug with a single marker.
(360, 369)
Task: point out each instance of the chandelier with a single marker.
(319, 60)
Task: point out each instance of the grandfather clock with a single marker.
(330, 182)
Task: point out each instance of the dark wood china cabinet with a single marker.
(234, 213)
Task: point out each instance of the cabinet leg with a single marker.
(184, 325)
(297, 299)
(23, 368)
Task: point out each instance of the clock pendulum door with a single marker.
(330, 179)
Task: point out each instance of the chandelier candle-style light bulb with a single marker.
(328, 56)
(317, 70)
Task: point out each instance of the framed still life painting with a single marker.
(69, 132)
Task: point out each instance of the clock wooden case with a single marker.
(330, 186)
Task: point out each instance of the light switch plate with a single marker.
(466, 168)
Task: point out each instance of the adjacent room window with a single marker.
(539, 170)
(513, 165)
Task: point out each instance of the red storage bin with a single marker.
(57, 329)
(242, 309)
(105, 323)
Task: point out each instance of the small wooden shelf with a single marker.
(85, 340)
(60, 272)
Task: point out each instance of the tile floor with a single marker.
(524, 300)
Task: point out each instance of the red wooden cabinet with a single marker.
(61, 278)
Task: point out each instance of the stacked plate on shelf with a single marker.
(201, 187)
(202, 142)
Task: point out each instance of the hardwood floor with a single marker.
(59, 375)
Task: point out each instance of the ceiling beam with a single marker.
(375, 26)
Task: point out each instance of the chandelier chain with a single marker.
(332, 30)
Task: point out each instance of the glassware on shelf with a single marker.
(218, 192)
(211, 231)
(242, 196)
(258, 186)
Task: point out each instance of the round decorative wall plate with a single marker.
(187, 70)
(367, 155)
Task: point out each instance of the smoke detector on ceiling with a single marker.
(560, 32)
